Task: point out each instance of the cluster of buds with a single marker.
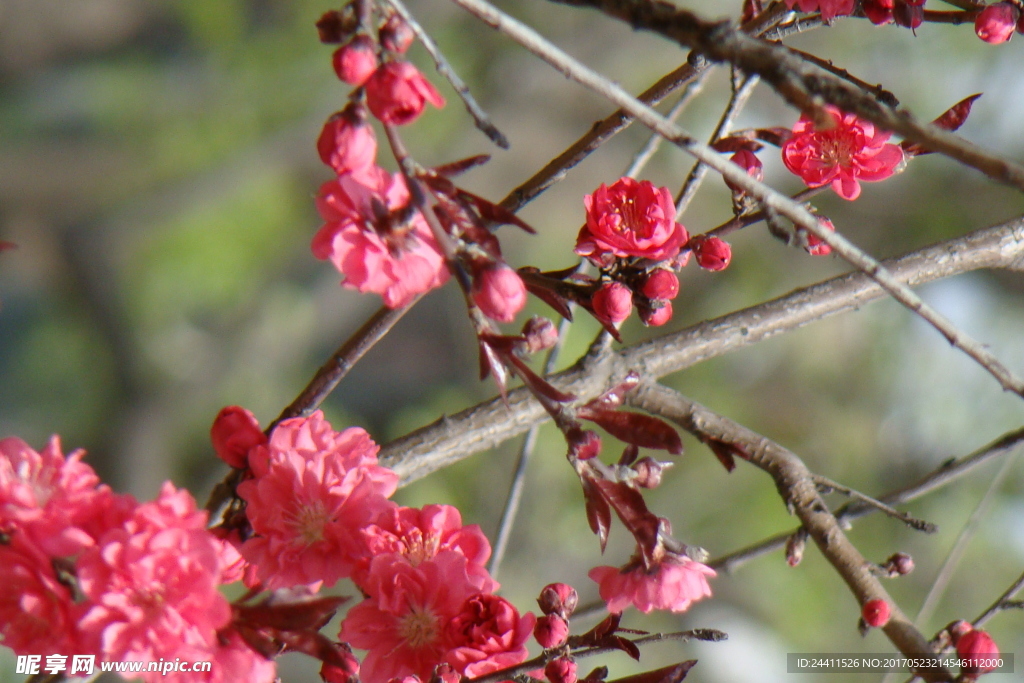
(997, 22)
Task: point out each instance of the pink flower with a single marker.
(630, 218)
(419, 535)
(153, 584)
(395, 263)
(829, 8)
(356, 61)
(487, 635)
(397, 93)
(312, 490)
(36, 611)
(612, 303)
(45, 499)
(851, 151)
(500, 293)
(977, 646)
(347, 143)
(995, 24)
(234, 433)
(672, 584)
(712, 253)
(403, 622)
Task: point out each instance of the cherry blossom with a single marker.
(487, 635)
(37, 613)
(397, 93)
(852, 150)
(312, 489)
(630, 218)
(397, 262)
(672, 584)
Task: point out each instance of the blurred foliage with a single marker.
(157, 170)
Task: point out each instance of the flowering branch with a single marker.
(797, 488)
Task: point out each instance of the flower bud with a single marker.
(749, 162)
(899, 564)
(977, 646)
(355, 62)
(584, 444)
(815, 245)
(234, 432)
(996, 23)
(551, 631)
(711, 253)
(876, 613)
(561, 670)
(653, 317)
(612, 303)
(661, 284)
(795, 546)
(334, 26)
(499, 292)
(958, 629)
(347, 143)
(878, 11)
(908, 15)
(397, 93)
(396, 34)
(540, 334)
(558, 598)
(649, 472)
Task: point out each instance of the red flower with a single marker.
(829, 8)
(630, 218)
(397, 93)
(234, 432)
(749, 162)
(612, 303)
(977, 646)
(672, 584)
(487, 635)
(355, 62)
(995, 24)
(347, 143)
(712, 253)
(851, 151)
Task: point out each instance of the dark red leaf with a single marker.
(631, 509)
(616, 396)
(495, 212)
(259, 641)
(441, 185)
(668, 674)
(599, 515)
(583, 445)
(624, 644)
(537, 383)
(319, 646)
(606, 627)
(735, 143)
(461, 166)
(951, 119)
(725, 452)
(598, 674)
(490, 363)
(642, 430)
(774, 136)
(312, 614)
(550, 297)
(629, 455)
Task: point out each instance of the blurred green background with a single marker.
(157, 172)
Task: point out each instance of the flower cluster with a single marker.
(148, 574)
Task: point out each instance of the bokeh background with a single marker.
(157, 172)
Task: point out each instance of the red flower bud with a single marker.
(540, 334)
(653, 317)
(977, 646)
(899, 564)
(355, 62)
(878, 11)
(612, 303)
(561, 670)
(347, 143)
(649, 472)
(908, 15)
(958, 629)
(499, 292)
(795, 546)
(558, 598)
(396, 34)
(234, 432)
(397, 93)
(749, 162)
(551, 631)
(815, 246)
(662, 284)
(712, 253)
(996, 23)
(876, 612)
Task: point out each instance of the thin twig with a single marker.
(956, 553)
(914, 523)
(1002, 603)
(946, 474)
(879, 93)
(771, 199)
(654, 142)
(741, 92)
(480, 118)
(491, 423)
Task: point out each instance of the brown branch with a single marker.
(484, 426)
(801, 84)
(1004, 602)
(947, 473)
(797, 488)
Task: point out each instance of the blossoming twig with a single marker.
(480, 118)
(582, 74)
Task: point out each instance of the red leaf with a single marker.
(624, 644)
(636, 428)
(550, 297)
(734, 143)
(311, 614)
(599, 515)
(951, 119)
(490, 363)
(631, 509)
(461, 166)
(616, 396)
(495, 212)
(774, 136)
(537, 383)
(725, 452)
(629, 455)
(668, 674)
